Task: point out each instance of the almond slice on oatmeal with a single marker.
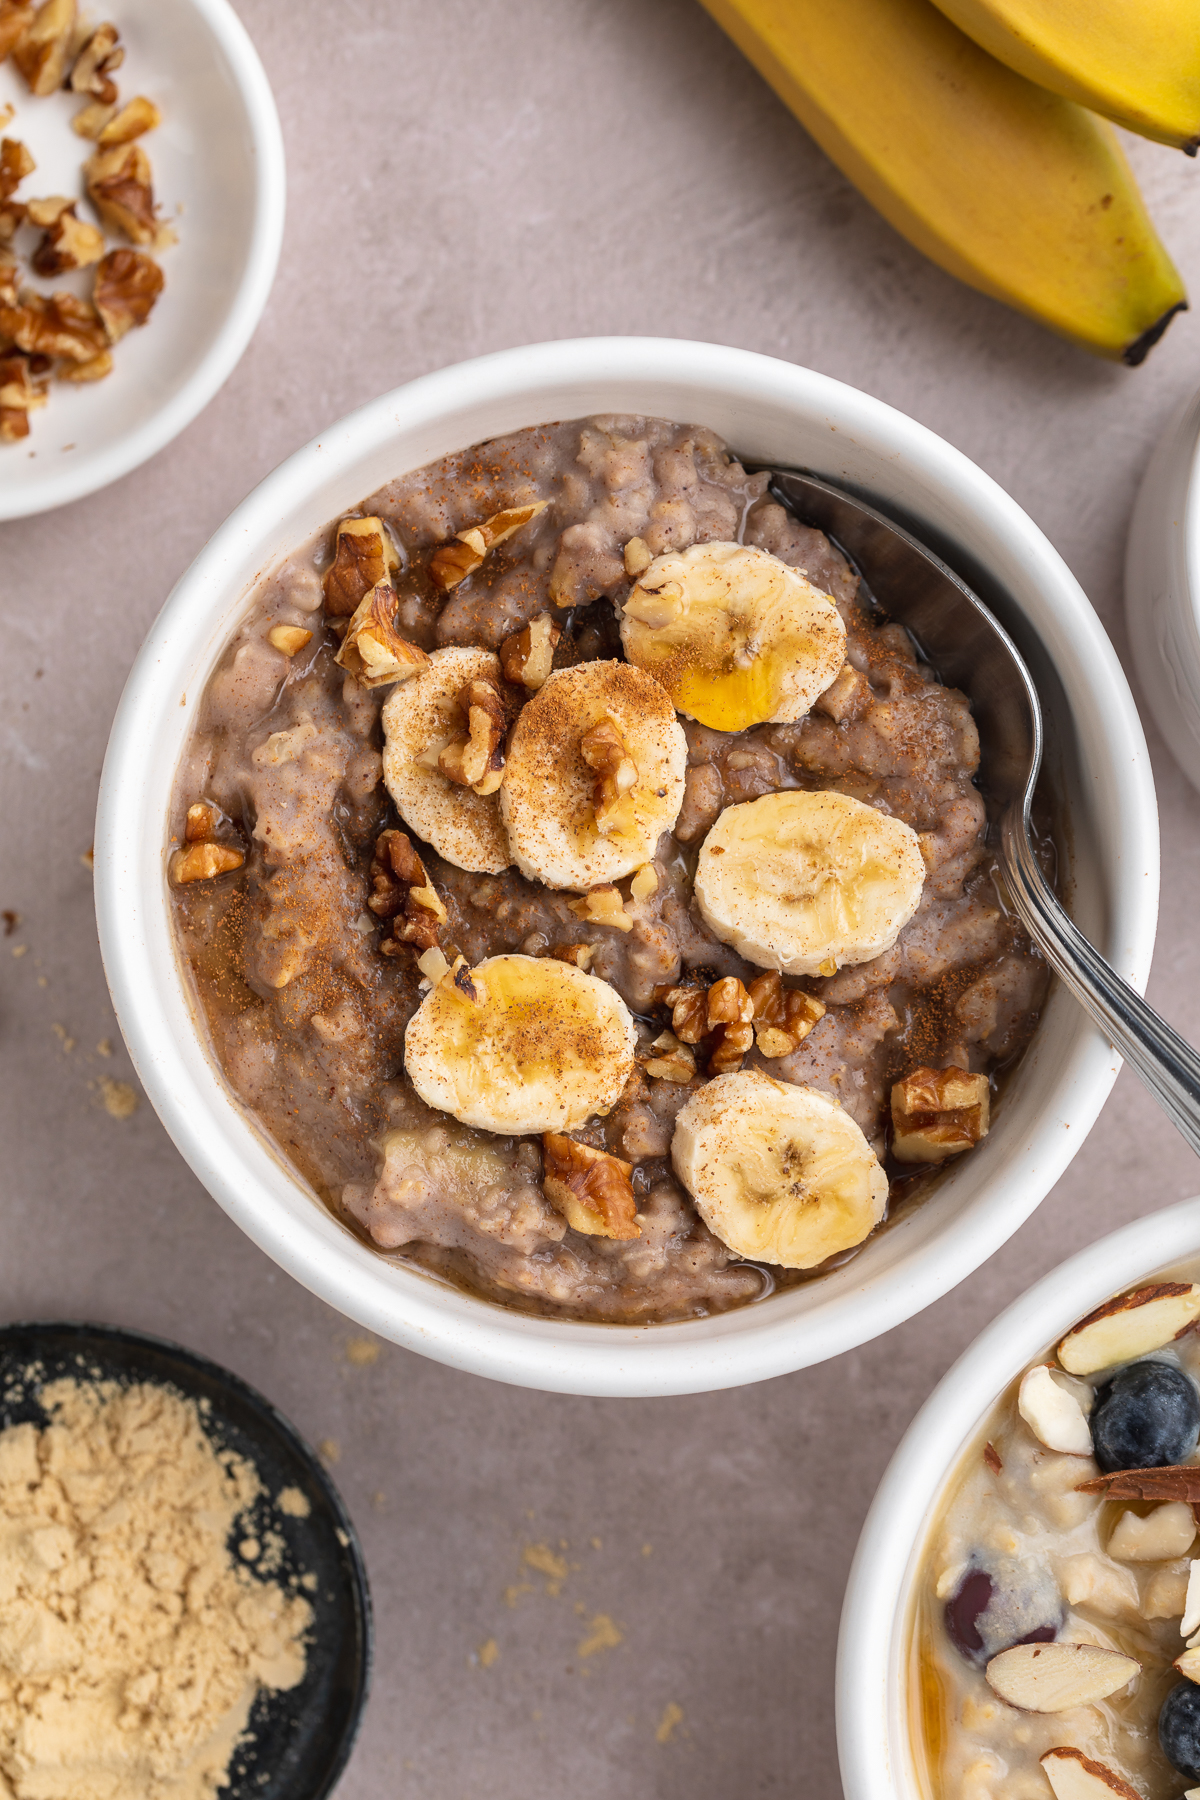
(1049, 1678)
(1074, 1776)
(1053, 1414)
(1132, 1325)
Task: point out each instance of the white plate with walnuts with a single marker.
(138, 250)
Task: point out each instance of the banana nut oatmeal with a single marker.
(586, 885)
(1057, 1644)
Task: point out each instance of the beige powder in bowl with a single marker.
(132, 1643)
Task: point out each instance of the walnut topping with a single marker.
(578, 955)
(604, 750)
(453, 562)
(42, 50)
(288, 638)
(602, 906)
(373, 650)
(201, 822)
(200, 862)
(722, 1012)
(591, 1189)
(364, 555)
(119, 186)
(126, 287)
(638, 557)
(475, 757)
(783, 1017)
(135, 118)
(938, 1113)
(68, 242)
(15, 17)
(58, 325)
(670, 1060)
(94, 369)
(96, 65)
(528, 656)
(15, 164)
(91, 119)
(20, 394)
(402, 892)
(688, 1006)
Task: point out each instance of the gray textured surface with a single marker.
(467, 177)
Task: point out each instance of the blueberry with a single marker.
(1146, 1417)
(1179, 1728)
(1002, 1603)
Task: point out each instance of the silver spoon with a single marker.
(971, 651)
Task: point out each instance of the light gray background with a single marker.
(465, 177)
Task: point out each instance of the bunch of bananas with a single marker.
(972, 126)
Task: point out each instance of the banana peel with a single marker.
(1135, 61)
(1016, 190)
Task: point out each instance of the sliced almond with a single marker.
(1130, 1326)
(1053, 1414)
(1189, 1665)
(1161, 1536)
(1049, 1678)
(1180, 1481)
(1190, 1622)
(1074, 1776)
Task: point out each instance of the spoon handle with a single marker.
(1169, 1067)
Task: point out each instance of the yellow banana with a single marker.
(1015, 190)
(1135, 61)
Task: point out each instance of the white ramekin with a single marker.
(219, 174)
(875, 1746)
(767, 410)
(1162, 586)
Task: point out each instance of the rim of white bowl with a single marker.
(236, 1163)
(133, 448)
(874, 1746)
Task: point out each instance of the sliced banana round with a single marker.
(779, 1173)
(806, 882)
(595, 774)
(419, 720)
(519, 1044)
(736, 637)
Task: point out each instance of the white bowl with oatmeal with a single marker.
(1041, 1501)
(738, 1323)
(216, 168)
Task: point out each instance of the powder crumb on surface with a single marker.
(488, 1653)
(362, 1352)
(547, 1562)
(104, 1047)
(131, 1645)
(672, 1716)
(603, 1634)
(293, 1503)
(120, 1100)
(20, 949)
(329, 1450)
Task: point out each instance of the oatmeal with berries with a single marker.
(1057, 1645)
(587, 887)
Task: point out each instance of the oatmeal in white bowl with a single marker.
(367, 921)
(1021, 1620)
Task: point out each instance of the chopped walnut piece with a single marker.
(42, 50)
(847, 696)
(91, 119)
(453, 562)
(527, 657)
(127, 284)
(68, 243)
(288, 638)
(373, 650)
(15, 164)
(58, 325)
(938, 1113)
(94, 369)
(602, 906)
(670, 1060)
(8, 279)
(644, 882)
(364, 555)
(12, 216)
(135, 118)
(119, 186)
(402, 892)
(20, 395)
(579, 955)
(783, 1017)
(201, 822)
(689, 1008)
(200, 862)
(729, 1011)
(604, 750)
(638, 557)
(476, 759)
(15, 18)
(591, 1189)
(96, 65)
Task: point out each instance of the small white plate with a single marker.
(219, 178)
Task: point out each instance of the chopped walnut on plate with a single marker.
(938, 1113)
(591, 1189)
